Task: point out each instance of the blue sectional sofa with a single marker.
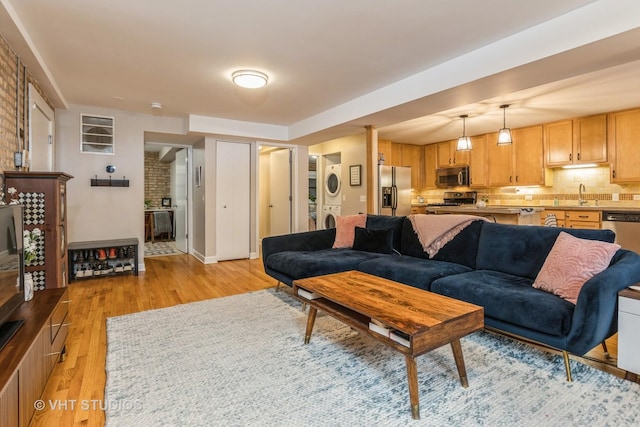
(488, 264)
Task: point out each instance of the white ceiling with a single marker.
(334, 65)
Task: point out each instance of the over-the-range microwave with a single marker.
(452, 177)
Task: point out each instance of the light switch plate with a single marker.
(615, 197)
(363, 198)
(636, 197)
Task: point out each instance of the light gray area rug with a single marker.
(160, 249)
(240, 361)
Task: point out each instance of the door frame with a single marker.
(295, 186)
(189, 215)
(37, 101)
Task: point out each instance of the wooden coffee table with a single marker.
(427, 320)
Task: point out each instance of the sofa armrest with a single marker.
(595, 317)
(305, 241)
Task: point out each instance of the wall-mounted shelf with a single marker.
(95, 182)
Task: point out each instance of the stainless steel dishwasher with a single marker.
(626, 225)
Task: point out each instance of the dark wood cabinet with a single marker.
(29, 357)
(44, 196)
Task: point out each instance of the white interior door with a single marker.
(280, 194)
(233, 200)
(41, 119)
(179, 194)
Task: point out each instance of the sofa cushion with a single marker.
(411, 271)
(385, 222)
(509, 298)
(520, 250)
(460, 250)
(380, 241)
(301, 264)
(570, 263)
(345, 229)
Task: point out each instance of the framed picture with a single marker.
(354, 175)
(166, 202)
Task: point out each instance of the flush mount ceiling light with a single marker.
(464, 142)
(504, 135)
(250, 79)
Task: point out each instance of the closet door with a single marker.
(233, 203)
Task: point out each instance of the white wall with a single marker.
(103, 213)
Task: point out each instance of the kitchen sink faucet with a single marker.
(581, 191)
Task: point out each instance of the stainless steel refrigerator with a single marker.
(394, 196)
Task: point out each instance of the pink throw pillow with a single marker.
(346, 229)
(570, 263)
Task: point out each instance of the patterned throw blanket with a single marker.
(435, 231)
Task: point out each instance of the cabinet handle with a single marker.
(516, 178)
(583, 216)
(510, 178)
(578, 156)
(570, 156)
(613, 173)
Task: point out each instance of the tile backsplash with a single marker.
(564, 189)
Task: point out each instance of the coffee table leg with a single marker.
(310, 321)
(412, 376)
(457, 355)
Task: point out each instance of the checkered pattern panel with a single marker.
(33, 207)
(39, 259)
(38, 280)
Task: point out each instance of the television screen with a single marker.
(11, 266)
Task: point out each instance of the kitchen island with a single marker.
(502, 214)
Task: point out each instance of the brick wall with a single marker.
(157, 179)
(12, 75)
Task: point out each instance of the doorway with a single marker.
(41, 144)
(167, 194)
(275, 189)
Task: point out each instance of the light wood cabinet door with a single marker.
(500, 162)
(528, 156)
(560, 216)
(412, 156)
(478, 162)
(9, 403)
(449, 156)
(445, 156)
(430, 165)
(396, 154)
(384, 151)
(590, 139)
(624, 134)
(558, 142)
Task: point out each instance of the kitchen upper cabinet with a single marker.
(520, 163)
(500, 162)
(558, 140)
(624, 134)
(449, 156)
(384, 151)
(430, 165)
(578, 141)
(412, 156)
(590, 139)
(528, 156)
(478, 162)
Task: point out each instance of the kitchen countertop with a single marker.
(516, 209)
(509, 210)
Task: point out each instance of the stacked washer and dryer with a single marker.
(332, 203)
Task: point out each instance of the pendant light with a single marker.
(504, 135)
(464, 142)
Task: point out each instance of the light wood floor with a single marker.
(168, 281)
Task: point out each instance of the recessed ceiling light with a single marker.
(250, 79)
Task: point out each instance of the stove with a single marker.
(457, 198)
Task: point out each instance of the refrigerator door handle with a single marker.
(394, 197)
